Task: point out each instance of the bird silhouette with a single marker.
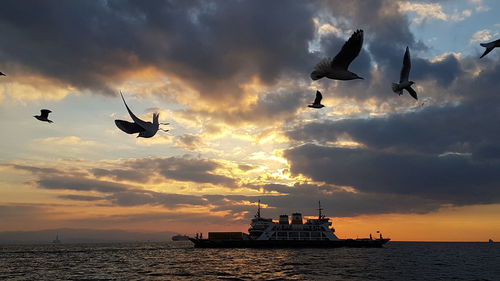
(336, 68)
(44, 116)
(144, 128)
(489, 47)
(317, 101)
(404, 83)
(2, 74)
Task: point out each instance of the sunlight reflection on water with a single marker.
(180, 261)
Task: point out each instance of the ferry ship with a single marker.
(266, 233)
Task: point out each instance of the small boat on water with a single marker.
(56, 241)
(180, 238)
(266, 233)
(490, 241)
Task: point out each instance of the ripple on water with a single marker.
(174, 261)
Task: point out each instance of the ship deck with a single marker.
(353, 243)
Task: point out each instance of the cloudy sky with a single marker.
(232, 78)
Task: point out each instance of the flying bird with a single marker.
(490, 46)
(2, 74)
(336, 68)
(145, 129)
(317, 101)
(44, 115)
(404, 84)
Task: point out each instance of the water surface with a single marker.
(180, 261)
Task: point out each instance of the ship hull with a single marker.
(353, 243)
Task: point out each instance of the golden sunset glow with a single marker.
(237, 123)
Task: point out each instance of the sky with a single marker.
(232, 79)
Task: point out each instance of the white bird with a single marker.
(490, 46)
(145, 129)
(317, 101)
(404, 84)
(336, 68)
(44, 116)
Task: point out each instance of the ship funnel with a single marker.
(296, 218)
(284, 219)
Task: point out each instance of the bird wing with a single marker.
(321, 69)
(349, 51)
(318, 98)
(44, 113)
(128, 127)
(405, 70)
(412, 92)
(138, 121)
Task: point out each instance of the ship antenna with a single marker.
(258, 209)
(319, 210)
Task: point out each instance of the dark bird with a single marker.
(336, 68)
(2, 74)
(145, 129)
(317, 101)
(404, 83)
(490, 46)
(44, 115)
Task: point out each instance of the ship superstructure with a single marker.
(296, 229)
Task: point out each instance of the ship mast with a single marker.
(320, 216)
(258, 210)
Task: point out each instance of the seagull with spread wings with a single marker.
(145, 129)
(404, 83)
(336, 68)
(317, 101)
(490, 46)
(44, 116)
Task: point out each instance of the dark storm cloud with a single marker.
(81, 184)
(138, 197)
(183, 169)
(457, 179)
(189, 141)
(135, 170)
(211, 45)
(123, 174)
(462, 128)
(274, 106)
(300, 197)
(246, 168)
(81, 197)
(172, 218)
(443, 71)
(337, 202)
(116, 193)
(34, 170)
(173, 168)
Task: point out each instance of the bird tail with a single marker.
(486, 52)
(395, 89)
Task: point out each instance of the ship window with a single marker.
(282, 234)
(293, 234)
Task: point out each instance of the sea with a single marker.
(180, 261)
